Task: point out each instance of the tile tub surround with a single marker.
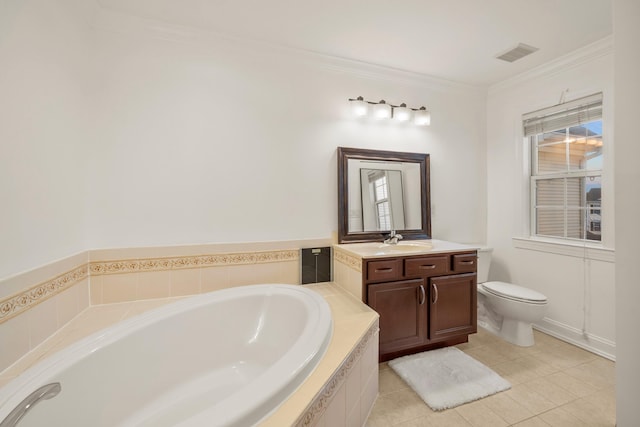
(132, 279)
(340, 391)
(347, 271)
(119, 275)
(35, 304)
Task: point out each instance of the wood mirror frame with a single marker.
(346, 154)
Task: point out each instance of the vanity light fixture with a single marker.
(381, 110)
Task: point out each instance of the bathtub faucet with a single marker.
(393, 238)
(45, 392)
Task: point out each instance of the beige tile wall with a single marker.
(23, 332)
(347, 272)
(138, 285)
(26, 280)
(354, 399)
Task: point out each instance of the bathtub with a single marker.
(227, 358)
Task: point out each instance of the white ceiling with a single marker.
(451, 39)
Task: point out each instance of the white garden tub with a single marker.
(227, 358)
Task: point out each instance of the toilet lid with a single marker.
(514, 292)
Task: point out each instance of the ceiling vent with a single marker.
(517, 52)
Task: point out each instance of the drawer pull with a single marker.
(466, 262)
(383, 270)
(435, 293)
(423, 295)
(427, 266)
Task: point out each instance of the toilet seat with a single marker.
(514, 292)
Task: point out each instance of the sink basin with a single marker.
(406, 247)
(382, 249)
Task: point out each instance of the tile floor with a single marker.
(553, 384)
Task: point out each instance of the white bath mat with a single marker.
(447, 377)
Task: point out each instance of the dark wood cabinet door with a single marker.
(453, 306)
(402, 307)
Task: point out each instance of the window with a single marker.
(566, 169)
(382, 202)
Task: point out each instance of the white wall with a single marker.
(136, 134)
(201, 139)
(627, 174)
(578, 283)
(44, 87)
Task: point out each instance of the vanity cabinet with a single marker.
(424, 302)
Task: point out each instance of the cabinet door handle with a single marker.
(435, 293)
(423, 295)
(427, 266)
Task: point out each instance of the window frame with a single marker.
(534, 176)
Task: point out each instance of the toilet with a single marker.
(505, 309)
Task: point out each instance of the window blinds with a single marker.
(561, 116)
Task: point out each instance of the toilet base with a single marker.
(517, 333)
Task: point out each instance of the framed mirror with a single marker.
(380, 191)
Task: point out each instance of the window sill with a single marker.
(588, 250)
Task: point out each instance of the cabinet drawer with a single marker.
(464, 263)
(384, 270)
(426, 266)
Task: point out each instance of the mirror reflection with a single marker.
(387, 197)
(380, 191)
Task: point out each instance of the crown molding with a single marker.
(119, 23)
(591, 52)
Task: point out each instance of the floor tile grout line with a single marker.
(587, 386)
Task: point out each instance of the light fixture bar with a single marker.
(382, 110)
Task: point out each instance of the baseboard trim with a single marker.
(593, 343)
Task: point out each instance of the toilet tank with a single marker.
(484, 260)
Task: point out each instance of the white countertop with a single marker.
(403, 248)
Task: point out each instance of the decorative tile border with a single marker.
(323, 398)
(99, 268)
(348, 260)
(18, 303)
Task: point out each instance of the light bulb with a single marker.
(401, 113)
(382, 110)
(359, 107)
(422, 117)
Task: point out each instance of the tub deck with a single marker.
(350, 361)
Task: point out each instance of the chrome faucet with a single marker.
(393, 238)
(45, 392)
